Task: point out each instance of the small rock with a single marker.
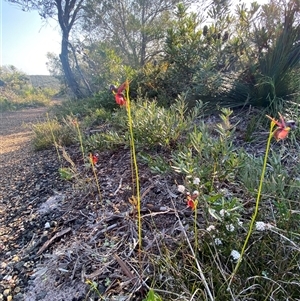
(41, 295)
(17, 290)
(19, 266)
(47, 225)
(9, 298)
(6, 292)
(7, 277)
(16, 258)
(53, 223)
(19, 297)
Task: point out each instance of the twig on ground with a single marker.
(51, 240)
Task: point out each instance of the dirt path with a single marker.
(27, 178)
(15, 132)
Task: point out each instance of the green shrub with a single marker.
(153, 125)
(64, 134)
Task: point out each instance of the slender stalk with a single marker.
(133, 152)
(201, 273)
(95, 176)
(53, 138)
(256, 205)
(195, 226)
(132, 169)
(80, 139)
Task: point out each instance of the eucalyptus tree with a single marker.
(134, 28)
(67, 13)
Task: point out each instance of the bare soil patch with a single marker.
(27, 178)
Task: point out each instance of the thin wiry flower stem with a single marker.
(96, 178)
(80, 140)
(133, 152)
(195, 226)
(53, 137)
(256, 205)
(209, 293)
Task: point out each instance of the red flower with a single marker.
(283, 127)
(119, 93)
(192, 200)
(123, 87)
(191, 203)
(120, 99)
(94, 158)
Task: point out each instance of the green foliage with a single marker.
(87, 107)
(156, 163)
(211, 158)
(64, 134)
(152, 125)
(245, 57)
(66, 173)
(108, 140)
(104, 67)
(45, 82)
(214, 254)
(208, 159)
(17, 91)
(152, 296)
(280, 181)
(193, 60)
(268, 79)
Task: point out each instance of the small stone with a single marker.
(17, 290)
(9, 298)
(41, 295)
(7, 277)
(3, 265)
(47, 225)
(19, 266)
(53, 224)
(6, 292)
(16, 258)
(19, 297)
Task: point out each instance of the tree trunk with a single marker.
(64, 58)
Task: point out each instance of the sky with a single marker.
(25, 39)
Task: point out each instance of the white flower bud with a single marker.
(181, 188)
(235, 255)
(196, 181)
(210, 228)
(218, 242)
(230, 227)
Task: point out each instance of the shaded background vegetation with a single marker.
(18, 90)
(217, 51)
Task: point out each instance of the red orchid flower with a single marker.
(192, 200)
(283, 127)
(119, 93)
(94, 158)
(120, 99)
(191, 203)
